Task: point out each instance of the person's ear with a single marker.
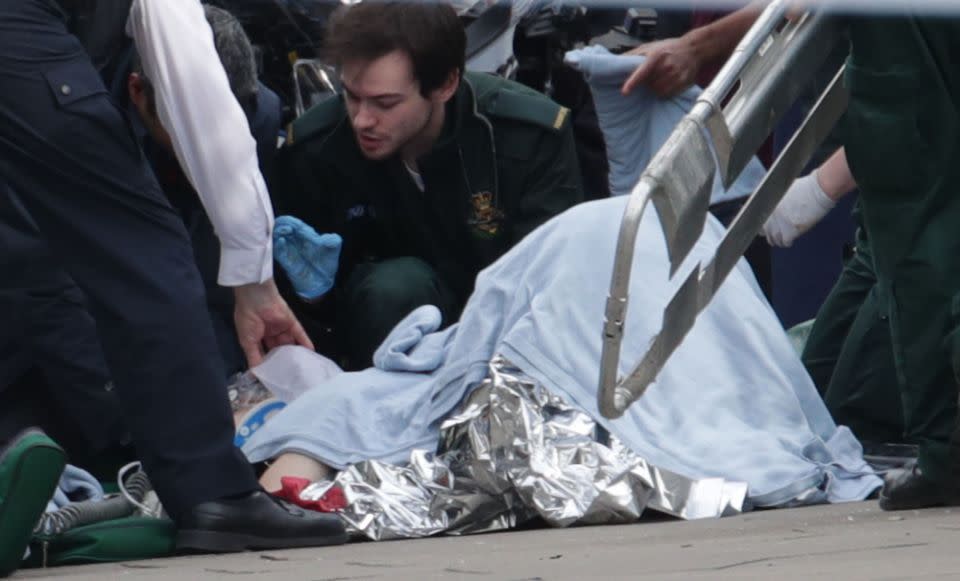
(448, 89)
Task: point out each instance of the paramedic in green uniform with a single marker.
(902, 138)
(426, 173)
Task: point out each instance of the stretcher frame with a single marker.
(729, 122)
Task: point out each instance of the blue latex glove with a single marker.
(309, 259)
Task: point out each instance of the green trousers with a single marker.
(850, 358)
(902, 138)
(378, 295)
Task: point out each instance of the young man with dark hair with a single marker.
(428, 174)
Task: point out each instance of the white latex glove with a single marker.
(804, 204)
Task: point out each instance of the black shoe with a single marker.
(907, 488)
(257, 521)
(883, 457)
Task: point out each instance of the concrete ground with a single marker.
(852, 541)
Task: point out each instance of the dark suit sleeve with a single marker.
(264, 119)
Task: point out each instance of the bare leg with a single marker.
(296, 465)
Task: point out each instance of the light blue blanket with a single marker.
(734, 401)
(76, 484)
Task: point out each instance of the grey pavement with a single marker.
(852, 541)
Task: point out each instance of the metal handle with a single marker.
(315, 74)
(763, 77)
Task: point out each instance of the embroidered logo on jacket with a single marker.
(485, 217)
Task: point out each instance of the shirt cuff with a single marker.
(240, 266)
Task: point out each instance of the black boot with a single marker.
(257, 521)
(908, 488)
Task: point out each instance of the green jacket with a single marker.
(504, 164)
(902, 137)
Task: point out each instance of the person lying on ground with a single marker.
(733, 402)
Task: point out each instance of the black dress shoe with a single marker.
(907, 488)
(257, 521)
(883, 456)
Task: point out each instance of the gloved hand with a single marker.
(309, 259)
(804, 204)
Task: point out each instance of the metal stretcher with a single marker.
(730, 121)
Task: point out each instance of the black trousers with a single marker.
(52, 370)
(71, 155)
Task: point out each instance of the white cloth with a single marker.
(287, 371)
(209, 130)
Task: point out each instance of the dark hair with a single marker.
(429, 32)
(235, 52)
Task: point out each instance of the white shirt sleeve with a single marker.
(209, 130)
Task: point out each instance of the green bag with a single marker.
(123, 539)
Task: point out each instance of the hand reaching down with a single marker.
(264, 321)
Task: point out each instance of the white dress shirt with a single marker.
(209, 130)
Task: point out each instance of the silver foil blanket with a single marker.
(515, 452)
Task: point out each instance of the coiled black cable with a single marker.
(92, 511)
